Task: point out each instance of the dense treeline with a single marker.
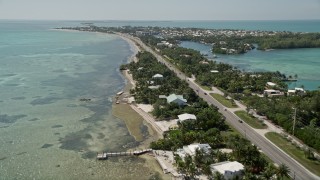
(208, 127)
(286, 40)
(280, 111)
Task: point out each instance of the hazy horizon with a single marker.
(148, 10)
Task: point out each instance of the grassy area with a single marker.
(204, 87)
(253, 122)
(226, 102)
(230, 131)
(294, 152)
(222, 90)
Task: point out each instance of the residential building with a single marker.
(157, 76)
(271, 84)
(173, 98)
(186, 116)
(229, 170)
(191, 149)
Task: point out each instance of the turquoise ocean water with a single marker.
(46, 132)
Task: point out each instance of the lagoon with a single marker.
(303, 62)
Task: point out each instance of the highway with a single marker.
(297, 171)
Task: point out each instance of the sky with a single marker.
(160, 9)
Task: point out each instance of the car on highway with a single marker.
(240, 121)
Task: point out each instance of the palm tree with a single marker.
(198, 158)
(269, 172)
(283, 171)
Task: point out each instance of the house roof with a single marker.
(186, 116)
(174, 97)
(228, 166)
(214, 71)
(154, 87)
(162, 96)
(157, 76)
(298, 89)
(191, 149)
(271, 90)
(271, 84)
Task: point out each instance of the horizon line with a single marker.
(159, 20)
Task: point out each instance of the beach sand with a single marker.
(135, 122)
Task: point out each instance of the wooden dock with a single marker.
(105, 155)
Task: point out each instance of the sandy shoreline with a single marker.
(153, 135)
(131, 84)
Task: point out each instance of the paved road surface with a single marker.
(274, 153)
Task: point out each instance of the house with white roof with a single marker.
(229, 170)
(173, 98)
(162, 97)
(157, 76)
(299, 89)
(271, 84)
(191, 149)
(214, 71)
(186, 116)
(296, 90)
(154, 87)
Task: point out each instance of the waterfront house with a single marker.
(291, 91)
(191, 149)
(178, 99)
(296, 91)
(299, 90)
(229, 170)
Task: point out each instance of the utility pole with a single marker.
(294, 120)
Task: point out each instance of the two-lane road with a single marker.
(273, 152)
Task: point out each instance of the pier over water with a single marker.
(105, 155)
